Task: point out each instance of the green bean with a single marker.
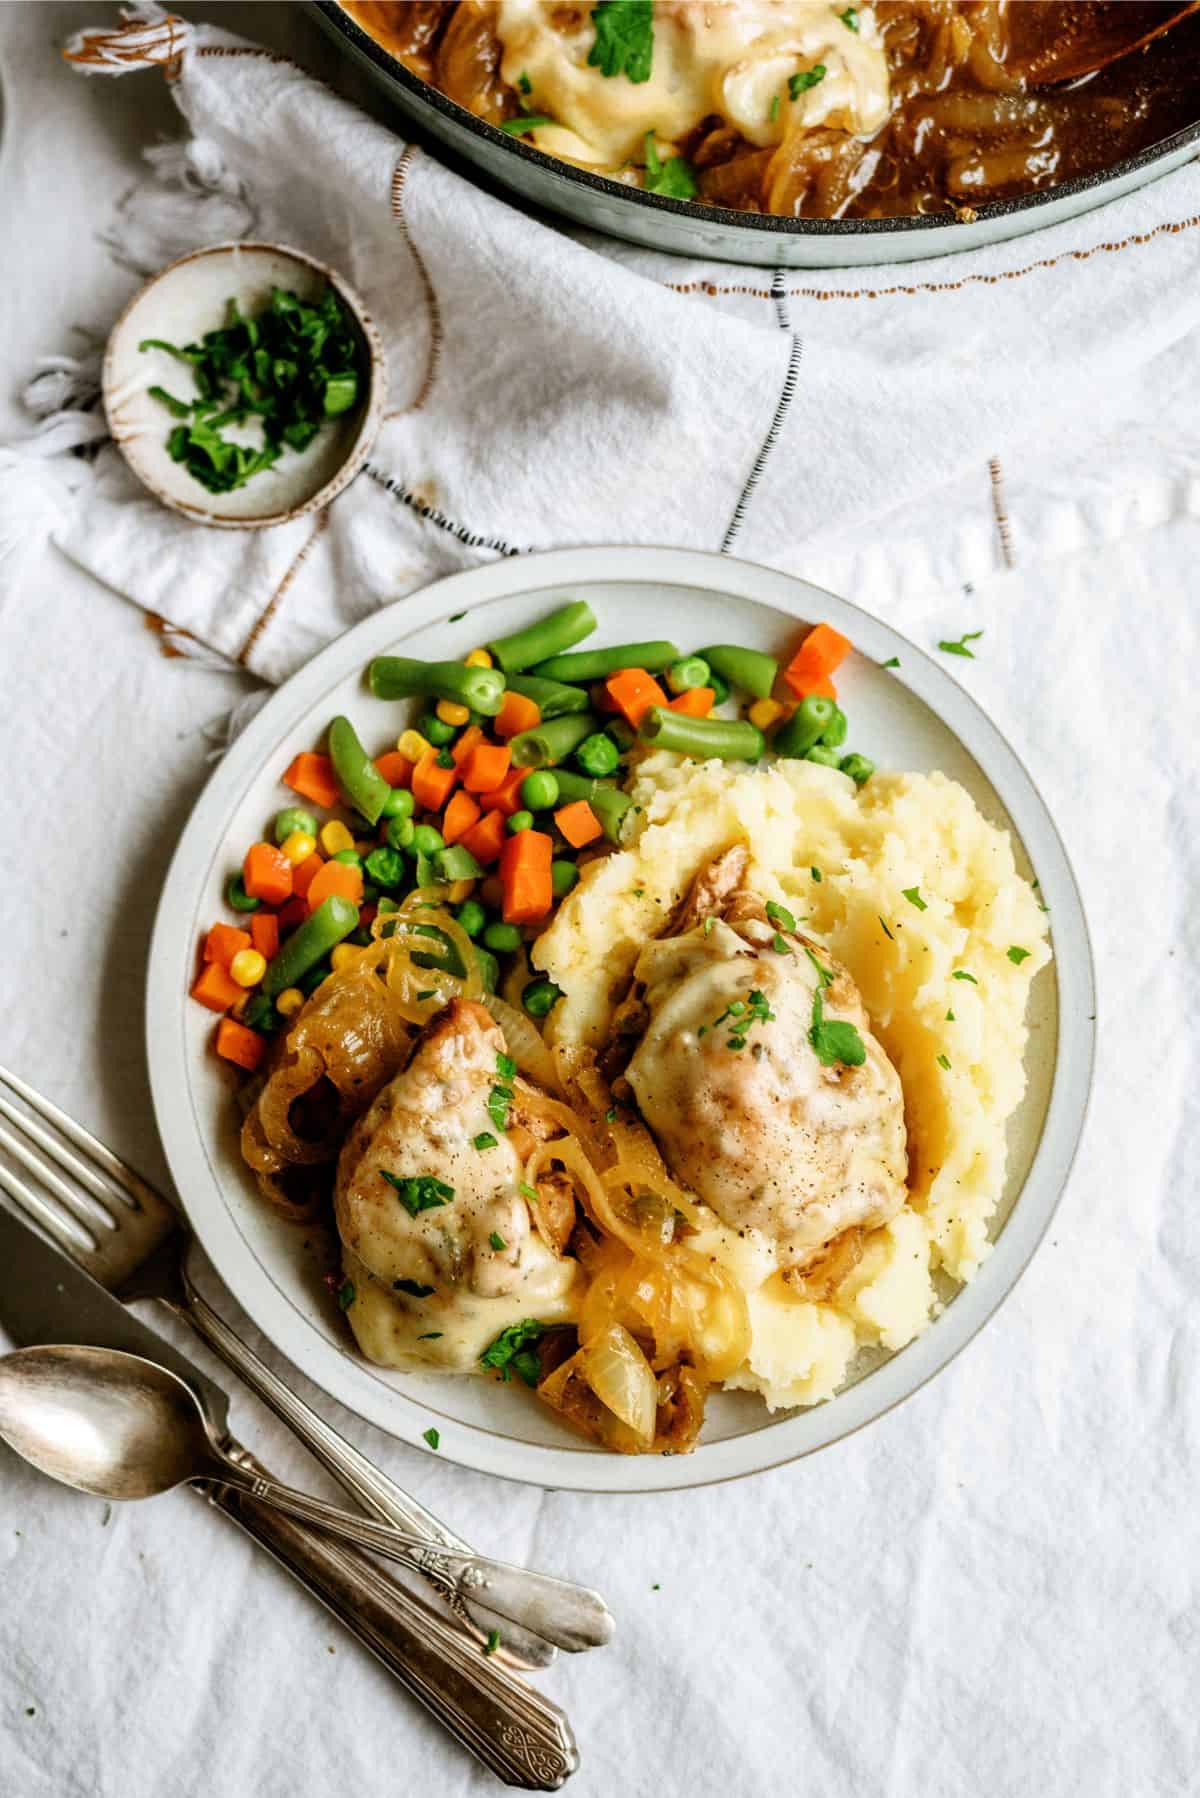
(357, 775)
(598, 664)
(608, 802)
(827, 758)
(733, 739)
(308, 983)
(539, 791)
(688, 672)
(471, 916)
(294, 817)
(260, 1014)
(424, 872)
(859, 767)
(811, 718)
(746, 668)
(719, 685)
(622, 733)
(569, 624)
(598, 755)
(310, 943)
(489, 967)
(550, 697)
(551, 741)
(456, 863)
(236, 896)
(834, 734)
(402, 677)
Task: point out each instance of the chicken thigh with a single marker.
(756, 1070)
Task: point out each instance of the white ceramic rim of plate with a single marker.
(208, 512)
(172, 951)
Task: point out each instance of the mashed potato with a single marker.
(963, 1076)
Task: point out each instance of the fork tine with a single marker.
(80, 1203)
(66, 1230)
(132, 1189)
(101, 1185)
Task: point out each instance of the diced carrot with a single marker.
(342, 878)
(461, 813)
(578, 823)
(811, 668)
(312, 777)
(296, 909)
(395, 768)
(264, 932)
(465, 744)
(306, 873)
(525, 876)
(633, 692)
(216, 987)
(515, 715)
(431, 785)
(485, 767)
(697, 702)
(485, 839)
(238, 1044)
(223, 942)
(507, 796)
(267, 873)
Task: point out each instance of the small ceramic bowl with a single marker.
(178, 305)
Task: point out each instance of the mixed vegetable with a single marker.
(507, 782)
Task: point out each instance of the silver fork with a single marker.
(129, 1238)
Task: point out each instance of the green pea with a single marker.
(563, 876)
(828, 758)
(236, 895)
(503, 938)
(540, 997)
(518, 822)
(859, 767)
(399, 803)
(435, 731)
(539, 790)
(426, 840)
(386, 866)
(294, 817)
(597, 755)
(401, 831)
(834, 734)
(471, 916)
(350, 857)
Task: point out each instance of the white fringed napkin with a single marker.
(885, 433)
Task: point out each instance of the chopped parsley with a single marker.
(345, 1297)
(497, 1241)
(506, 1067)
(950, 1018)
(498, 1102)
(832, 1039)
(892, 662)
(780, 945)
(742, 1015)
(674, 177)
(527, 121)
(610, 1116)
(816, 874)
(1017, 956)
(961, 974)
(413, 1288)
(708, 925)
(515, 1350)
(485, 1140)
(800, 83)
(849, 18)
(624, 38)
(887, 933)
(429, 992)
(944, 1062)
(526, 1191)
(431, 1436)
(773, 113)
(913, 895)
(959, 648)
(824, 974)
(419, 1192)
(430, 1336)
(780, 915)
(524, 83)
(493, 1642)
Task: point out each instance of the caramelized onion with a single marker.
(619, 1374)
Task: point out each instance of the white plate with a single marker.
(916, 717)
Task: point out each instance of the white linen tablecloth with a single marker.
(993, 1591)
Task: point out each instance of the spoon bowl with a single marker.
(1086, 37)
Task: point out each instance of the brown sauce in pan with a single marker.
(961, 130)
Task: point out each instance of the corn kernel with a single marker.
(298, 846)
(478, 658)
(343, 956)
(413, 745)
(335, 837)
(765, 712)
(458, 890)
(451, 713)
(238, 1008)
(289, 1001)
(248, 967)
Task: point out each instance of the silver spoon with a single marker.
(123, 1427)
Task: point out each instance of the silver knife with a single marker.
(519, 1734)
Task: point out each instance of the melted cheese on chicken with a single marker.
(732, 58)
(475, 1260)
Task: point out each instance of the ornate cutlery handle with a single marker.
(562, 1612)
(359, 1477)
(521, 1736)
